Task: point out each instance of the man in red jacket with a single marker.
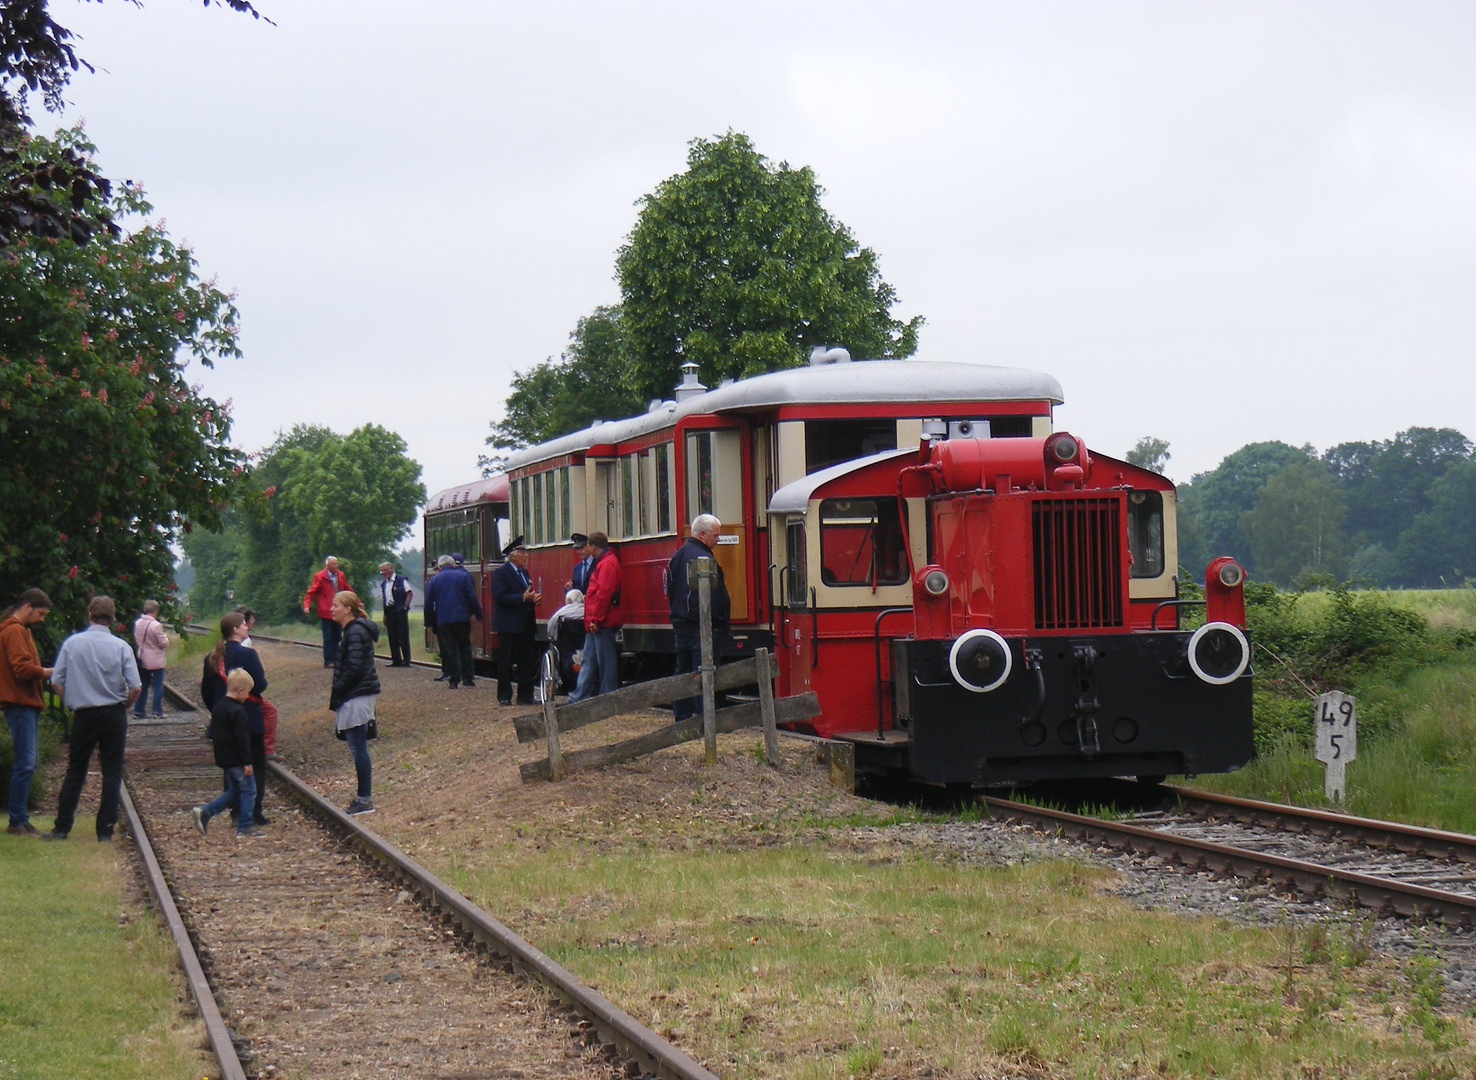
(327, 583)
(600, 673)
(21, 680)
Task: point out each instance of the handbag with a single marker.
(372, 733)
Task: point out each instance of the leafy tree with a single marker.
(109, 451)
(354, 496)
(1387, 483)
(1150, 453)
(584, 385)
(1295, 527)
(734, 264)
(1439, 547)
(1216, 500)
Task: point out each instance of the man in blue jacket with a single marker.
(450, 604)
(515, 618)
(684, 607)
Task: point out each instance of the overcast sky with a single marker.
(1214, 222)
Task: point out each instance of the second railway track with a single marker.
(330, 953)
(1388, 867)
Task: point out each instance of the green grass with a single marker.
(90, 983)
(861, 965)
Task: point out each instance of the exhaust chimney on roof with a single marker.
(689, 386)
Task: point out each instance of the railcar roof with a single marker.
(794, 498)
(858, 382)
(492, 489)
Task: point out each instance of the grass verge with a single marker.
(89, 990)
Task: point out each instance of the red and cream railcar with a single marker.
(846, 496)
(471, 521)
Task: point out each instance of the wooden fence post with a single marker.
(551, 721)
(766, 704)
(700, 573)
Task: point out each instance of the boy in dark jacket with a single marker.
(229, 732)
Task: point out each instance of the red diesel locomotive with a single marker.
(972, 595)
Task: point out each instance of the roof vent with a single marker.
(689, 387)
(654, 405)
(820, 356)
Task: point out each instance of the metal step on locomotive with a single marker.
(973, 596)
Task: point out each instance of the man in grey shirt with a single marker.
(97, 677)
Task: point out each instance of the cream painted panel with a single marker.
(791, 463)
(1040, 427)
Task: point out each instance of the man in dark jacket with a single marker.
(450, 605)
(395, 595)
(683, 599)
(515, 618)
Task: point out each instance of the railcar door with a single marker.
(796, 613)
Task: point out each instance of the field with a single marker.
(1408, 657)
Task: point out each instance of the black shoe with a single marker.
(104, 838)
(504, 701)
(455, 685)
(440, 678)
(262, 819)
(25, 828)
(469, 683)
(53, 835)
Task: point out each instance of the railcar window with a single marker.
(643, 494)
(798, 584)
(537, 537)
(861, 542)
(565, 505)
(702, 472)
(663, 488)
(1145, 533)
(627, 496)
(828, 442)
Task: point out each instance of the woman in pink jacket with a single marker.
(151, 641)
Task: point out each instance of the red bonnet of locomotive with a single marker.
(1028, 536)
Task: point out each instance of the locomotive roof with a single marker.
(858, 382)
(794, 497)
(492, 489)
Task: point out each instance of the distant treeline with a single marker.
(1400, 512)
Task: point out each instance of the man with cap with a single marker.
(515, 618)
(450, 604)
(395, 594)
(579, 578)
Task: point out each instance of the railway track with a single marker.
(1388, 867)
(321, 949)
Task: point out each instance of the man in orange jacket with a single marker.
(327, 583)
(21, 679)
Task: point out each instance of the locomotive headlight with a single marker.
(1231, 574)
(1065, 448)
(1218, 653)
(935, 581)
(980, 661)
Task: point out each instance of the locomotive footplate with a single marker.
(884, 752)
(1077, 706)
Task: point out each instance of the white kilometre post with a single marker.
(1336, 719)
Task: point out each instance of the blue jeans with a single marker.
(689, 658)
(332, 635)
(240, 789)
(358, 742)
(23, 723)
(601, 671)
(154, 677)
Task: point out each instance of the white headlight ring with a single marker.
(1216, 629)
(995, 645)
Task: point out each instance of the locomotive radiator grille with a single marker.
(1078, 563)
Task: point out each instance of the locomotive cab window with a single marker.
(1145, 533)
(861, 543)
(798, 584)
(828, 442)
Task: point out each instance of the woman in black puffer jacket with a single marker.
(355, 688)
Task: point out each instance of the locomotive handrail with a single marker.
(876, 655)
(814, 629)
(1153, 622)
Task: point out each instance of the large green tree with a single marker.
(1439, 548)
(1295, 527)
(354, 496)
(1387, 483)
(585, 384)
(1214, 501)
(109, 451)
(735, 264)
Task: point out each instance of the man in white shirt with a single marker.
(97, 677)
(395, 594)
